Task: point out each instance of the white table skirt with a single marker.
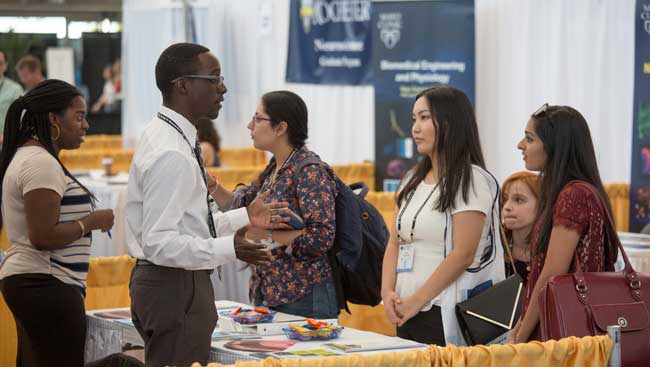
(108, 336)
(110, 193)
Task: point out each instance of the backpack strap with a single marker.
(308, 162)
(361, 186)
(304, 163)
(331, 254)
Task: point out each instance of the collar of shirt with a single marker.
(186, 126)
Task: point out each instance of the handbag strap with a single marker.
(505, 244)
(631, 275)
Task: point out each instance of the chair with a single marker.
(8, 337)
(93, 142)
(356, 172)
(385, 203)
(367, 318)
(238, 157)
(108, 282)
(231, 176)
(619, 197)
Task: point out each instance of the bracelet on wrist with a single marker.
(83, 228)
(216, 186)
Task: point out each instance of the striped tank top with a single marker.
(70, 264)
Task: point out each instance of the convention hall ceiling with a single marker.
(72, 9)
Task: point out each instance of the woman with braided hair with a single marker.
(49, 216)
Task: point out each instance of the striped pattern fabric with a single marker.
(70, 264)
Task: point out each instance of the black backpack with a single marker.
(359, 243)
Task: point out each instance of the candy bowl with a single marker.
(313, 330)
(250, 315)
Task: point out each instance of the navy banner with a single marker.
(640, 177)
(416, 45)
(329, 42)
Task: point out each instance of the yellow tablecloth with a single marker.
(569, 352)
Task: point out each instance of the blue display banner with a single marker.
(640, 176)
(416, 45)
(329, 42)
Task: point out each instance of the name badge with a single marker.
(405, 258)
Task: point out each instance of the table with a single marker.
(107, 336)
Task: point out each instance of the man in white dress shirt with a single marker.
(180, 240)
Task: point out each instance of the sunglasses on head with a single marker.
(543, 111)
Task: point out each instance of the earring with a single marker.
(58, 132)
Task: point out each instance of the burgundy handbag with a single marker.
(582, 304)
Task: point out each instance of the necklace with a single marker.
(523, 252)
(274, 175)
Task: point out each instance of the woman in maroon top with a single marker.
(299, 281)
(557, 143)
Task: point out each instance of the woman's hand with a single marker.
(389, 307)
(512, 338)
(212, 182)
(101, 219)
(270, 215)
(407, 307)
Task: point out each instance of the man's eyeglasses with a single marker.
(258, 118)
(214, 80)
(543, 111)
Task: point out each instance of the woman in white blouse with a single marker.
(443, 244)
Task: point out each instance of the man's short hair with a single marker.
(177, 60)
(30, 62)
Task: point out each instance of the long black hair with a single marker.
(283, 105)
(570, 156)
(457, 146)
(51, 95)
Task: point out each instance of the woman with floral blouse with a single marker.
(299, 281)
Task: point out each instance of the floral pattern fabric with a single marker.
(297, 268)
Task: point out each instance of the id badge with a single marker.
(405, 258)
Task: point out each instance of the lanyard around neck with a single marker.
(197, 155)
(175, 126)
(415, 216)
